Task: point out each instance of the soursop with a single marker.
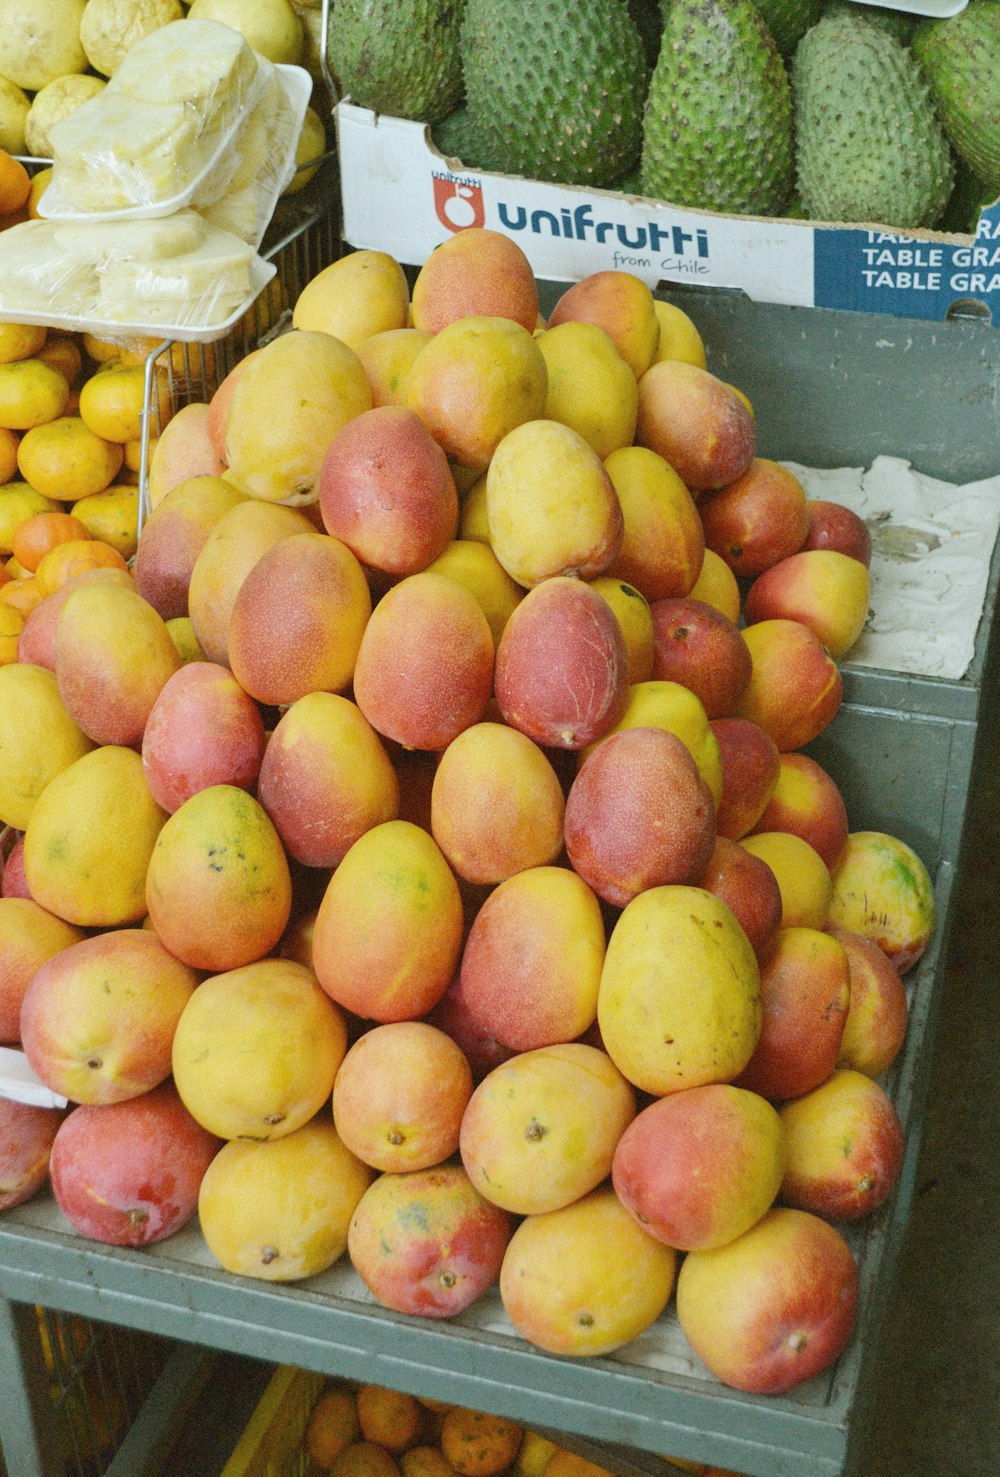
(960, 58)
(869, 145)
(718, 118)
(965, 206)
(897, 22)
(555, 90)
(457, 137)
(397, 56)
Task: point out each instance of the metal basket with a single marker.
(303, 237)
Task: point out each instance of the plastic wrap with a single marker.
(178, 276)
(160, 136)
(264, 155)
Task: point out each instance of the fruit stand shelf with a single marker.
(828, 390)
(653, 1396)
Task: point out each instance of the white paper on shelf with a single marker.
(932, 545)
(19, 1082)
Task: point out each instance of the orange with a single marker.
(17, 502)
(101, 350)
(333, 1425)
(533, 1455)
(20, 341)
(62, 352)
(11, 624)
(112, 516)
(133, 453)
(8, 453)
(15, 184)
(31, 393)
(64, 561)
(424, 1461)
(111, 403)
(478, 1444)
(391, 1418)
(41, 532)
(65, 459)
(23, 595)
(37, 190)
(364, 1459)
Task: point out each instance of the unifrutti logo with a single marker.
(458, 201)
(635, 242)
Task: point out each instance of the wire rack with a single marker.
(303, 237)
(99, 1376)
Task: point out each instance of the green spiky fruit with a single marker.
(965, 206)
(718, 120)
(397, 56)
(555, 90)
(457, 137)
(869, 146)
(629, 183)
(789, 20)
(897, 22)
(960, 58)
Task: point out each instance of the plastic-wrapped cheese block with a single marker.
(158, 136)
(137, 160)
(180, 274)
(263, 156)
(143, 241)
(35, 272)
(218, 276)
(199, 62)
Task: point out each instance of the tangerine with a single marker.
(8, 453)
(15, 183)
(41, 532)
(65, 459)
(31, 393)
(20, 341)
(64, 561)
(478, 1444)
(391, 1418)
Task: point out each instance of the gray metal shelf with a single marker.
(902, 752)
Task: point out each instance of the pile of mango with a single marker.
(424, 865)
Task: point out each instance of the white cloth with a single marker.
(932, 543)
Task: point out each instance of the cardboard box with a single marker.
(400, 195)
